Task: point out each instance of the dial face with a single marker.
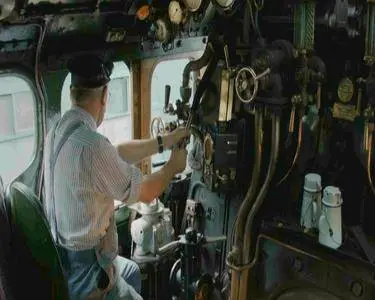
(162, 32)
(175, 12)
(224, 3)
(193, 5)
(345, 90)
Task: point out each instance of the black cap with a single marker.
(89, 71)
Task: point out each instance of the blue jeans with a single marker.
(129, 271)
(86, 277)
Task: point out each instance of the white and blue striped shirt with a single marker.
(89, 175)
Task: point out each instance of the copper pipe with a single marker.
(292, 119)
(366, 136)
(298, 150)
(247, 202)
(243, 292)
(369, 159)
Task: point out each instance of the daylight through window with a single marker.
(117, 124)
(17, 126)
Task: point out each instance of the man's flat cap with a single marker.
(89, 71)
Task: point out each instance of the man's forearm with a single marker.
(154, 184)
(137, 150)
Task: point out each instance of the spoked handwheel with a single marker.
(247, 83)
(157, 127)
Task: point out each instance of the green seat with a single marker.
(28, 219)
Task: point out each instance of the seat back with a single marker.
(31, 225)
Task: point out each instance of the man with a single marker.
(84, 173)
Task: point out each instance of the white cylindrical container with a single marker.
(330, 224)
(311, 202)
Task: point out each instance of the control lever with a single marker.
(159, 164)
(168, 108)
(226, 53)
(189, 238)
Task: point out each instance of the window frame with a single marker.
(193, 84)
(20, 134)
(111, 116)
(39, 120)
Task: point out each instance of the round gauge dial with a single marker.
(175, 12)
(6, 8)
(162, 33)
(225, 3)
(193, 5)
(345, 90)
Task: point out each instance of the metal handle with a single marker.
(159, 164)
(215, 239)
(168, 247)
(167, 97)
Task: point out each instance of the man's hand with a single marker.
(176, 137)
(178, 159)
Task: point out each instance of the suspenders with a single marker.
(52, 162)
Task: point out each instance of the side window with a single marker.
(17, 126)
(166, 73)
(117, 123)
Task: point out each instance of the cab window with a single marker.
(117, 123)
(17, 126)
(165, 73)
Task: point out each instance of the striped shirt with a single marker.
(89, 175)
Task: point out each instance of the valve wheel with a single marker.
(157, 127)
(246, 84)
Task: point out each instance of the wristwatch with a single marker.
(160, 144)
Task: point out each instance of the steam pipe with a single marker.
(298, 150)
(369, 161)
(202, 86)
(248, 201)
(243, 292)
(196, 65)
(316, 63)
(185, 90)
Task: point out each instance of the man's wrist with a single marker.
(160, 141)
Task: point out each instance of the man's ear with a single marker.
(104, 99)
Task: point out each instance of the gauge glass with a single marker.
(175, 12)
(225, 3)
(193, 5)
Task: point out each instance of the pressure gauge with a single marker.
(176, 14)
(193, 5)
(224, 4)
(6, 8)
(163, 32)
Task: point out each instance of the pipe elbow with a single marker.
(317, 64)
(195, 65)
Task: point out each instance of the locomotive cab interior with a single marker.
(278, 195)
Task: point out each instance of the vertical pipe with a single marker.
(243, 292)
(370, 33)
(369, 158)
(247, 202)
